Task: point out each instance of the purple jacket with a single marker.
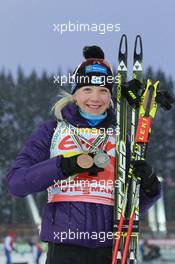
(33, 171)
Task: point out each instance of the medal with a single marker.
(101, 159)
(85, 161)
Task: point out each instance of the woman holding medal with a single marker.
(77, 168)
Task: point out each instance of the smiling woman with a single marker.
(72, 167)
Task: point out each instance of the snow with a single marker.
(22, 258)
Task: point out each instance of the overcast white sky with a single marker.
(27, 37)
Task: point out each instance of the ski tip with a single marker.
(123, 47)
(138, 48)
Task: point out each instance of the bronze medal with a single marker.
(85, 161)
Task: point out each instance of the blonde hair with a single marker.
(65, 99)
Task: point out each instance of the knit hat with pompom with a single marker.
(94, 71)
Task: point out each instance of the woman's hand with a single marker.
(69, 166)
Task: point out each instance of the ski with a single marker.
(136, 74)
(121, 130)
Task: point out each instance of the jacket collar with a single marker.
(71, 114)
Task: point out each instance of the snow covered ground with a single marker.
(25, 258)
(168, 257)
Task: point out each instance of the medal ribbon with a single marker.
(93, 145)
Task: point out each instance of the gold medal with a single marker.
(85, 161)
